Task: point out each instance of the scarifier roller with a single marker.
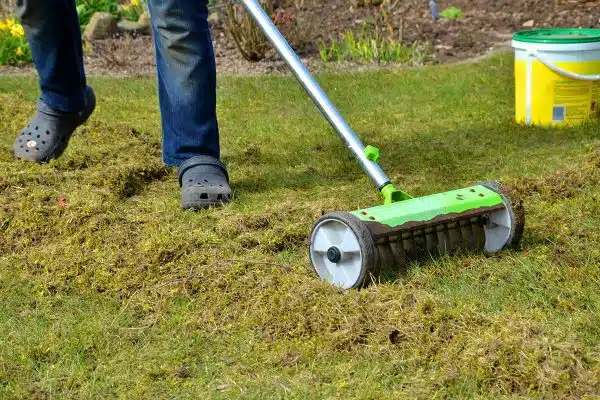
(349, 249)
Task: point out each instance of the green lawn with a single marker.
(93, 249)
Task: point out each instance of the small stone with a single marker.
(529, 24)
(101, 26)
(126, 26)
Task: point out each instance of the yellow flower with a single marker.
(6, 24)
(19, 52)
(126, 7)
(135, 2)
(17, 30)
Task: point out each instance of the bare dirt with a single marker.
(485, 26)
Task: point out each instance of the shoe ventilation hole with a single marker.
(204, 196)
(47, 132)
(38, 136)
(220, 197)
(37, 127)
(43, 142)
(190, 180)
(205, 180)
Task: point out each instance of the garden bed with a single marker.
(484, 26)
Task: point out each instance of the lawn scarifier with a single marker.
(349, 249)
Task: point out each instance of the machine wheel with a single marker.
(504, 228)
(342, 250)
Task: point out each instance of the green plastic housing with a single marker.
(422, 209)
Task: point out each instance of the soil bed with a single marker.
(486, 25)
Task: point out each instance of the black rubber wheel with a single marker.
(327, 252)
(516, 211)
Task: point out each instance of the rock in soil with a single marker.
(133, 27)
(101, 26)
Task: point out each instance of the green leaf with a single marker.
(451, 13)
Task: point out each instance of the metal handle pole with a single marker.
(315, 92)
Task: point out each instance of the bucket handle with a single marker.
(562, 71)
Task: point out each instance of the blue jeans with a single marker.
(185, 68)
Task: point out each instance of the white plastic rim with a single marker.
(335, 233)
(497, 230)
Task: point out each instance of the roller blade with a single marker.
(482, 218)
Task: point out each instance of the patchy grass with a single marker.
(371, 47)
(94, 249)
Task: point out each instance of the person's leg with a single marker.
(54, 37)
(187, 97)
(186, 79)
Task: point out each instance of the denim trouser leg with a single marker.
(185, 67)
(186, 79)
(53, 34)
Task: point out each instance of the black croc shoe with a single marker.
(48, 133)
(204, 183)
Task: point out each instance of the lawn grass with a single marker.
(93, 249)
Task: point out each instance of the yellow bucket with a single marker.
(557, 76)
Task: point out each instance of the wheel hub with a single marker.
(334, 254)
